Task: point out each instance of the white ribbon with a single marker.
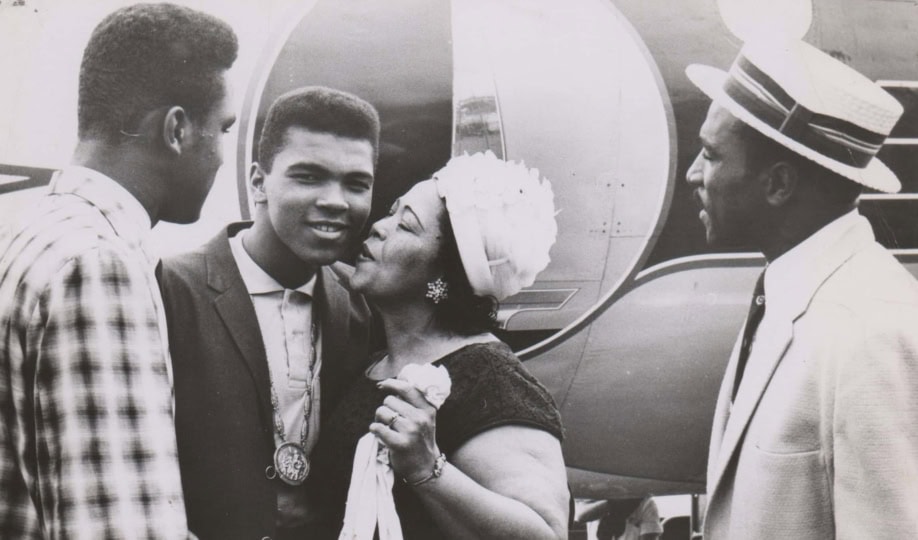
(369, 496)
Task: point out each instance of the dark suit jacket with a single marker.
(222, 387)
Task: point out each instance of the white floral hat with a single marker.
(503, 218)
(811, 103)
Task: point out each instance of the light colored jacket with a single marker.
(822, 440)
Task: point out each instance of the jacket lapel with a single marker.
(334, 309)
(234, 306)
(763, 360)
(722, 413)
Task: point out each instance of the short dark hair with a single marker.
(151, 55)
(318, 109)
(462, 311)
(762, 151)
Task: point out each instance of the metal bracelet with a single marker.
(439, 463)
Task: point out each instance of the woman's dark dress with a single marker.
(490, 388)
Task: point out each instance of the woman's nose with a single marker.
(377, 229)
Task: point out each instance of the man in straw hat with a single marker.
(816, 427)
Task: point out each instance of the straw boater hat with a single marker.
(811, 103)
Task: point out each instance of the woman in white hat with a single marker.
(488, 464)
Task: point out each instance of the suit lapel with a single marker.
(234, 306)
(722, 413)
(332, 303)
(344, 346)
(764, 359)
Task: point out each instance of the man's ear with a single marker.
(176, 130)
(781, 182)
(257, 183)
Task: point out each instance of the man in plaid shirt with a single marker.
(87, 441)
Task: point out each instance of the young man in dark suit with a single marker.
(262, 332)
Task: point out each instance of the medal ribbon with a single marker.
(301, 361)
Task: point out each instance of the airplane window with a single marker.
(478, 127)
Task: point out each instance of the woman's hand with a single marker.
(407, 424)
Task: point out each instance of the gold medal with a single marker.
(290, 463)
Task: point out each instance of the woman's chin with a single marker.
(359, 280)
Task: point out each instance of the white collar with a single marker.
(792, 279)
(256, 280)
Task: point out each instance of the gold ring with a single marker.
(392, 422)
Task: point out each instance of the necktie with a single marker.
(295, 312)
(756, 312)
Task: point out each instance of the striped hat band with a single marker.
(832, 137)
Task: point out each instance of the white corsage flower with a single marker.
(432, 381)
(503, 218)
(370, 507)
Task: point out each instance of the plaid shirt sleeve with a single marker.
(106, 458)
